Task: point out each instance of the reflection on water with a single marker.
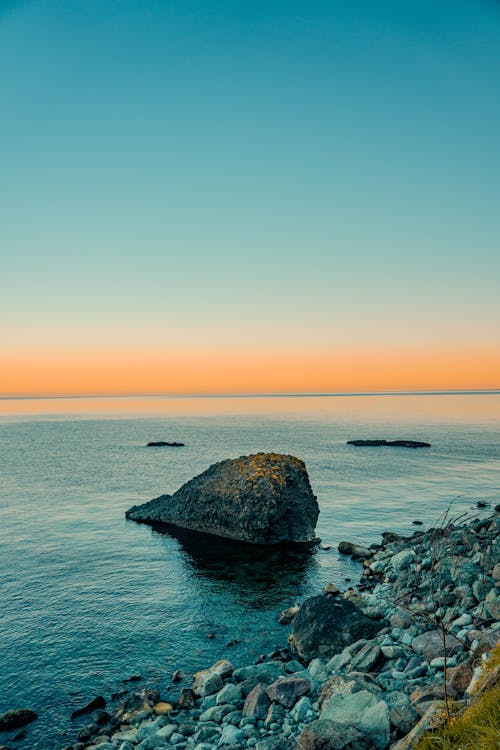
(412, 407)
(254, 574)
(89, 598)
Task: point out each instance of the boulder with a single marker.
(356, 550)
(432, 718)
(256, 704)
(287, 690)
(367, 658)
(324, 626)
(207, 682)
(262, 499)
(364, 711)
(430, 644)
(16, 717)
(330, 735)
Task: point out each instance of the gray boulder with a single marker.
(287, 690)
(363, 710)
(264, 498)
(324, 626)
(323, 734)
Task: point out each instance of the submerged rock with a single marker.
(393, 443)
(95, 703)
(17, 717)
(261, 499)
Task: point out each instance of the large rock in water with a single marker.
(261, 499)
(324, 626)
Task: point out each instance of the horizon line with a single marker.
(435, 392)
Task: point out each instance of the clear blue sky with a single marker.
(177, 174)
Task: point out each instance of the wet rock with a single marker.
(356, 550)
(261, 499)
(100, 716)
(287, 690)
(92, 705)
(325, 625)
(287, 615)
(86, 733)
(330, 735)
(331, 590)
(16, 717)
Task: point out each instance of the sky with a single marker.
(207, 196)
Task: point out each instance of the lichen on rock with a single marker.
(264, 498)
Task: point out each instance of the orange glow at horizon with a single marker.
(54, 373)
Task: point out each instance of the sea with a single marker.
(88, 599)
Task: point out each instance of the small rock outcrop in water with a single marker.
(393, 443)
(260, 499)
(162, 444)
(15, 718)
(94, 704)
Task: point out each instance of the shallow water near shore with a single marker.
(88, 598)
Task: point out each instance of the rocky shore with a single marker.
(369, 668)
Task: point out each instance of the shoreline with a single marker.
(285, 699)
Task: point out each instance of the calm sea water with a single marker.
(88, 598)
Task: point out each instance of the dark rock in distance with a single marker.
(324, 626)
(16, 717)
(94, 704)
(393, 443)
(162, 444)
(261, 499)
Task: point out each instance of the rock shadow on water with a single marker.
(263, 573)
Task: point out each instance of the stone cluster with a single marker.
(424, 619)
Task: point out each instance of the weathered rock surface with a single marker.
(323, 734)
(324, 625)
(16, 717)
(363, 710)
(394, 443)
(264, 499)
(287, 690)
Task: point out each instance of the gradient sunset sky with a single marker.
(206, 196)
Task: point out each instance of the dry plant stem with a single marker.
(438, 549)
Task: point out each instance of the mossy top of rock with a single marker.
(265, 498)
